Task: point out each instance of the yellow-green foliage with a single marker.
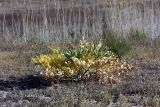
(87, 60)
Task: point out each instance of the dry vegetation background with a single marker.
(51, 20)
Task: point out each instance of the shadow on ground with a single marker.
(27, 82)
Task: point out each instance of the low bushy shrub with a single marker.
(157, 42)
(37, 45)
(118, 44)
(85, 61)
(138, 37)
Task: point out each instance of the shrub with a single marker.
(137, 37)
(117, 44)
(37, 45)
(86, 61)
(157, 42)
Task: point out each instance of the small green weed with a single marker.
(137, 37)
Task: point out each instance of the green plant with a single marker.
(71, 33)
(87, 60)
(157, 42)
(37, 45)
(137, 37)
(117, 44)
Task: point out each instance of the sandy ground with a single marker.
(32, 90)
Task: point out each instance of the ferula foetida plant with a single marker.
(86, 61)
